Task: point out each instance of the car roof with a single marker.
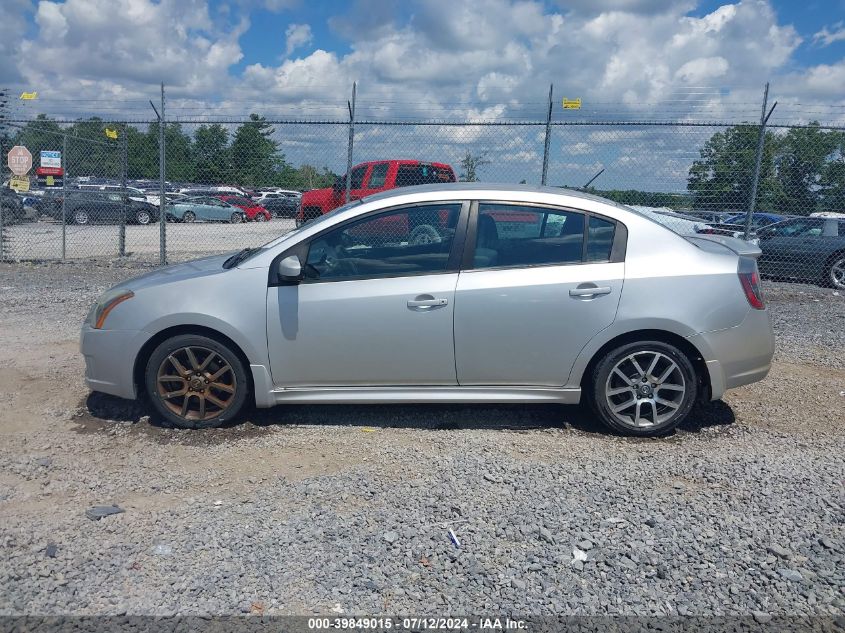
(482, 190)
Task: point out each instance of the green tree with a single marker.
(471, 163)
(722, 177)
(212, 154)
(256, 159)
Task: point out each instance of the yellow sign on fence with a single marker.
(572, 104)
(19, 183)
(111, 133)
(29, 96)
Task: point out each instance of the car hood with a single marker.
(178, 272)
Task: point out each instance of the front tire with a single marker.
(143, 217)
(81, 217)
(195, 382)
(643, 389)
(189, 216)
(236, 218)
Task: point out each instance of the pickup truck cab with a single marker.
(369, 178)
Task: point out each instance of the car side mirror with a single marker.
(290, 269)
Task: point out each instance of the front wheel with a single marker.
(236, 218)
(196, 382)
(143, 217)
(189, 216)
(80, 216)
(643, 389)
(836, 272)
(260, 217)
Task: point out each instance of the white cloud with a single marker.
(827, 36)
(297, 36)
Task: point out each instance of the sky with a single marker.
(479, 60)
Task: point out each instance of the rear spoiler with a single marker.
(733, 244)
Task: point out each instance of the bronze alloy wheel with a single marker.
(196, 383)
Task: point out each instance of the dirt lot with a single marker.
(347, 509)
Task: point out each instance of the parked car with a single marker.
(598, 303)
(811, 249)
(205, 209)
(369, 178)
(252, 212)
(266, 195)
(282, 207)
(758, 220)
(91, 206)
(133, 192)
(711, 217)
(13, 208)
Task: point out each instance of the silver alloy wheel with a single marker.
(143, 217)
(189, 216)
(837, 273)
(260, 217)
(236, 218)
(80, 216)
(645, 389)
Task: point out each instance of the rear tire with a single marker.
(189, 216)
(195, 382)
(836, 272)
(643, 389)
(81, 217)
(143, 217)
(236, 218)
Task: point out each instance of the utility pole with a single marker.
(548, 140)
(351, 107)
(758, 161)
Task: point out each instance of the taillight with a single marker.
(749, 277)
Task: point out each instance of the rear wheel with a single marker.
(836, 272)
(260, 217)
(236, 218)
(143, 217)
(196, 382)
(189, 216)
(643, 389)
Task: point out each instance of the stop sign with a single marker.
(20, 160)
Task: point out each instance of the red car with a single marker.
(369, 178)
(252, 211)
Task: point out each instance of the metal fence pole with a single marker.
(162, 219)
(2, 197)
(548, 138)
(124, 196)
(65, 162)
(758, 161)
(351, 107)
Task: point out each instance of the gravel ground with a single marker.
(347, 509)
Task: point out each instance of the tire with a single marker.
(609, 388)
(80, 216)
(189, 216)
(424, 234)
(143, 217)
(835, 277)
(236, 218)
(210, 375)
(260, 217)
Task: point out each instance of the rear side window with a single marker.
(519, 235)
(422, 174)
(600, 236)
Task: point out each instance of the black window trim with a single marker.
(617, 249)
(452, 264)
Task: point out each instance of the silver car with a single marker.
(444, 293)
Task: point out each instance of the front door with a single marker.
(534, 295)
(375, 308)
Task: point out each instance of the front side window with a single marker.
(517, 235)
(798, 228)
(409, 241)
(357, 177)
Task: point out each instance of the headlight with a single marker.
(105, 304)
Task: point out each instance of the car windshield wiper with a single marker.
(240, 256)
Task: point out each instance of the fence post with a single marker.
(761, 140)
(162, 219)
(548, 138)
(2, 200)
(121, 249)
(351, 107)
(66, 163)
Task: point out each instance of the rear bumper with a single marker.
(739, 355)
(110, 359)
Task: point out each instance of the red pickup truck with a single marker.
(369, 178)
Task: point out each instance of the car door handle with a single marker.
(427, 303)
(590, 291)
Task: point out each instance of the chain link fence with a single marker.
(237, 182)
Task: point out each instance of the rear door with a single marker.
(538, 283)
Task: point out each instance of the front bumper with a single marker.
(110, 359)
(739, 355)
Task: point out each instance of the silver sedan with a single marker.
(444, 293)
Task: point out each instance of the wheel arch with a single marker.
(689, 350)
(143, 355)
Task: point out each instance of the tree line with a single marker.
(214, 155)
